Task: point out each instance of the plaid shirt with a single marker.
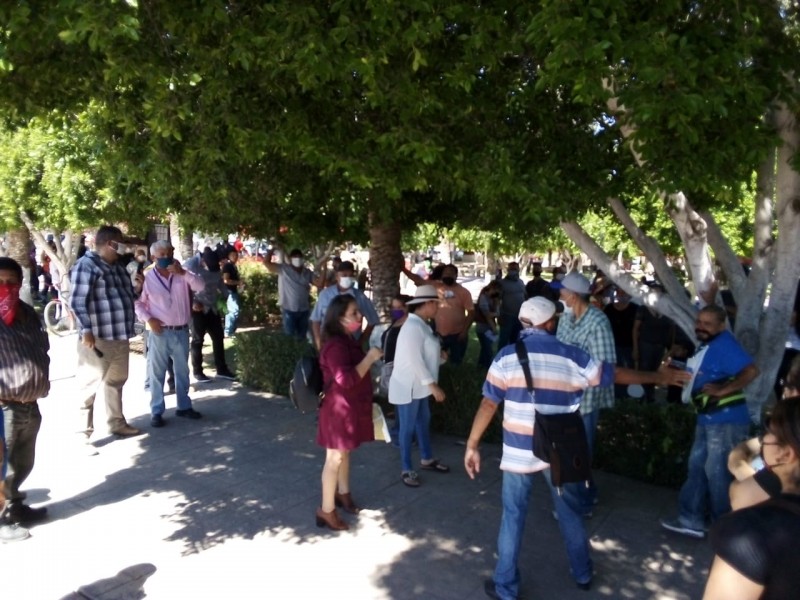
(102, 298)
(591, 333)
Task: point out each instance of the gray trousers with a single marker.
(22, 421)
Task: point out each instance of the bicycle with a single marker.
(58, 318)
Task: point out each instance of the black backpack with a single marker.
(305, 388)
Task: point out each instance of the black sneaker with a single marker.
(19, 513)
(201, 378)
(188, 413)
(226, 375)
(157, 421)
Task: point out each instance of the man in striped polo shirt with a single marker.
(24, 378)
(560, 374)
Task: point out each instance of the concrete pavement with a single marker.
(224, 508)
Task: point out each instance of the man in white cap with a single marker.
(560, 373)
(585, 326)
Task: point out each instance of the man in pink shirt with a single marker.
(165, 306)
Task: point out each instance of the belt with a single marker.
(174, 327)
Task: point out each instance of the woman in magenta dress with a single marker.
(345, 415)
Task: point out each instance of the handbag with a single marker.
(381, 429)
(558, 439)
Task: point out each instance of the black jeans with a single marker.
(22, 421)
(210, 323)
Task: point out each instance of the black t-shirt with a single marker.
(389, 342)
(233, 273)
(536, 287)
(760, 542)
(655, 329)
(622, 324)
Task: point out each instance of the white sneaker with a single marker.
(11, 532)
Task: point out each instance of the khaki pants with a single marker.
(104, 376)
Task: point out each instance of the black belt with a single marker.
(174, 327)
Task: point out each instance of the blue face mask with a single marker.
(397, 313)
(163, 263)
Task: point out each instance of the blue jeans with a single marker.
(415, 417)
(232, 318)
(456, 348)
(516, 497)
(171, 344)
(487, 349)
(295, 323)
(509, 331)
(708, 480)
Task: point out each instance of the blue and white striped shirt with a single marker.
(560, 374)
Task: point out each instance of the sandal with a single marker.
(435, 465)
(410, 478)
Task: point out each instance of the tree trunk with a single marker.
(386, 262)
(18, 243)
(180, 240)
(774, 324)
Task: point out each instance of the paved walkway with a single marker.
(223, 508)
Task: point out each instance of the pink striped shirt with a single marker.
(167, 298)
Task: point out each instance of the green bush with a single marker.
(266, 359)
(260, 294)
(649, 442)
(462, 385)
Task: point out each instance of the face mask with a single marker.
(297, 262)
(559, 276)
(345, 283)
(164, 262)
(9, 301)
(397, 313)
(448, 280)
(513, 275)
(352, 326)
(568, 310)
(140, 259)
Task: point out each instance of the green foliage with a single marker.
(266, 359)
(650, 442)
(260, 295)
(462, 386)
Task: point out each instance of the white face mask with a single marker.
(297, 261)
(345, 282)
(568, 310)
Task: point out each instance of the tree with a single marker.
(701, 97)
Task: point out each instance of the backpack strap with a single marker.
(522, 355)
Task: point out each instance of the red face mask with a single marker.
(9, 300)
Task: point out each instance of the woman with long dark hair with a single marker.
(345, 415)
(756, 547)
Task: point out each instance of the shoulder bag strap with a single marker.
(522, 355)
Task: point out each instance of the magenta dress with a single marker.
(345, 416)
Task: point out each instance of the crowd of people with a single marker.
(552, 347)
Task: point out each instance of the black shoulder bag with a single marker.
(558, 439)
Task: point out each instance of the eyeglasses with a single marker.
(763, 443)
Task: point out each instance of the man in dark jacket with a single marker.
(24, 378)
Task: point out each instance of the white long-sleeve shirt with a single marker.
(416, 362)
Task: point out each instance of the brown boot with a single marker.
(331, 520)
(345, 501)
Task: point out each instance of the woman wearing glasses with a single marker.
(755, 548)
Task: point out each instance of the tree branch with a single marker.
(679, 309)
(725, 256)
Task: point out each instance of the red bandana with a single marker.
(9, 300)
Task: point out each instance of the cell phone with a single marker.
(677, 364)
